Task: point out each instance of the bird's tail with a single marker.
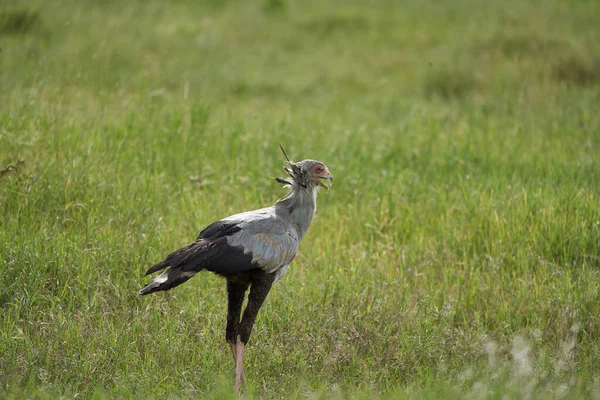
(183, 264)
(167, 280)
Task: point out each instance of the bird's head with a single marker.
(307, 174)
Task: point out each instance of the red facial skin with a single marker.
(321, 171)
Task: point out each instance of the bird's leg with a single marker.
(233, 351)
(237, 349)
(240, 377)
(236, 291)
(261, 284)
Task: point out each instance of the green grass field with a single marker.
(456, 256)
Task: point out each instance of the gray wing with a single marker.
(213, 254)
(242, 242)
(255, 239)
(270, 240)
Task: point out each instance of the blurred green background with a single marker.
(456, 256)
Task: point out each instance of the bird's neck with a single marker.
(299, 207)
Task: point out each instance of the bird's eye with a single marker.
(319, 168)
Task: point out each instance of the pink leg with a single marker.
(234, 352)
(240, 377)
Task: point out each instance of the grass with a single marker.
(456, 256)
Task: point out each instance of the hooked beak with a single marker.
(329, 177)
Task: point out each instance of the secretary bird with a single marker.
(250, 250)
